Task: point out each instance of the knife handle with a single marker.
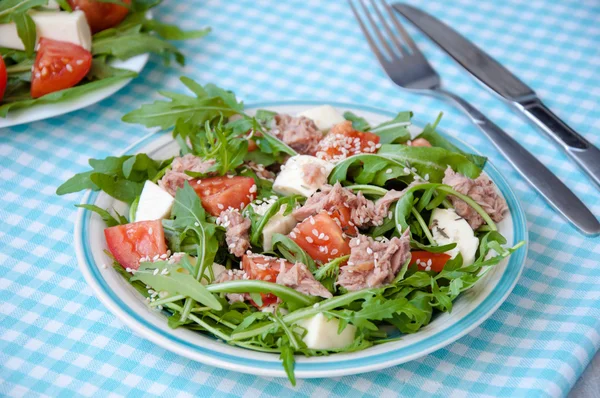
(557, 194)
(581, 150)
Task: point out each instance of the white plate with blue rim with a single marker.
(45, 111)
(470, 309)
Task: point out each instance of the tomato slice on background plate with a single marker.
(100, 15)
(3, 78)
(220, 193)
(321, 238)
(265, 269)
(58, 65)
(422, 259)
(129, 243)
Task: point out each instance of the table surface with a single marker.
(55, 336)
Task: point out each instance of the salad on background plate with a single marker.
(55, 52)
(310, 234)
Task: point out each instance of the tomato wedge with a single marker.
(343, 141)
(58, 65)
(220, 193)
(129, 243)
(3, 78)
(266, 269)
(433, 261)
(101, 15)
(321, 238)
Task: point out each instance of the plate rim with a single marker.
(333, 369)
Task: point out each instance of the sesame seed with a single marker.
(220, 206)
(197, 224)
(69, 68)
(334, 251)
(309, 239)
(79, 62)
(150, 230)
(369, 250)
(311, 220)
(315, 233)
(293, 235)
(426, 177)
(155, 271)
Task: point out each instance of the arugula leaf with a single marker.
(439, 141)
(358, 123)
(394, 131)
(402, 211)
(10, 8)
(173, 278)
(430, 162)
(198, 110)
(108, 218)
(327, 273)
(287, 358)
(27, 31)
(122, 177)
(432, 248)
(367, 169)
(292, 252)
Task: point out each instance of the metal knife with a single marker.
(507, 85)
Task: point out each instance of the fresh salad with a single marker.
(52, 51)
(308, 234)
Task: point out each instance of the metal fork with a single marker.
(408, 68)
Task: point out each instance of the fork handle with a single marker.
(557, 194)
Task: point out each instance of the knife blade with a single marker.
(504, 83)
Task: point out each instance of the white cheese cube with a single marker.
(322, 333)
(324, 116)
(70, 27)
(449, 227)
(155, 203)
(302, 175)
(278, 224)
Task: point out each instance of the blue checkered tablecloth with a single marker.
(57, 339)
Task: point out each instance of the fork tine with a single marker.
(405, 36)
(388, 29)
(367, 34)
(376, 29)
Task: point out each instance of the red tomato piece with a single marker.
(3, 78)
(129, 243)
(422, 260)
(321, 238)
(58, 65)
(343, 141)
(265, 269)
(419, 142)
(220, 193)
(101, 16)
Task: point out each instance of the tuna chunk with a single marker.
(364, 212)
(299, 278)
(372, 263)
(482, 190)
(299, 132)
(237, 228)
(175, 177)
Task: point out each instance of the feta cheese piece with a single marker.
(302, 175)
(70, 27)
(449, 227)
(322, 333)
(155, 203)
(278, 224)
(324, 116)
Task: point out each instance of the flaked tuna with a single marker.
(299, 278)
(299, 132)
(482, 190)
(364, 212)
(373, 263)
(175, 177)
(237, 231)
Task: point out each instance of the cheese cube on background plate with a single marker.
(322, 333)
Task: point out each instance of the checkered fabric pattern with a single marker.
(56, 339)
